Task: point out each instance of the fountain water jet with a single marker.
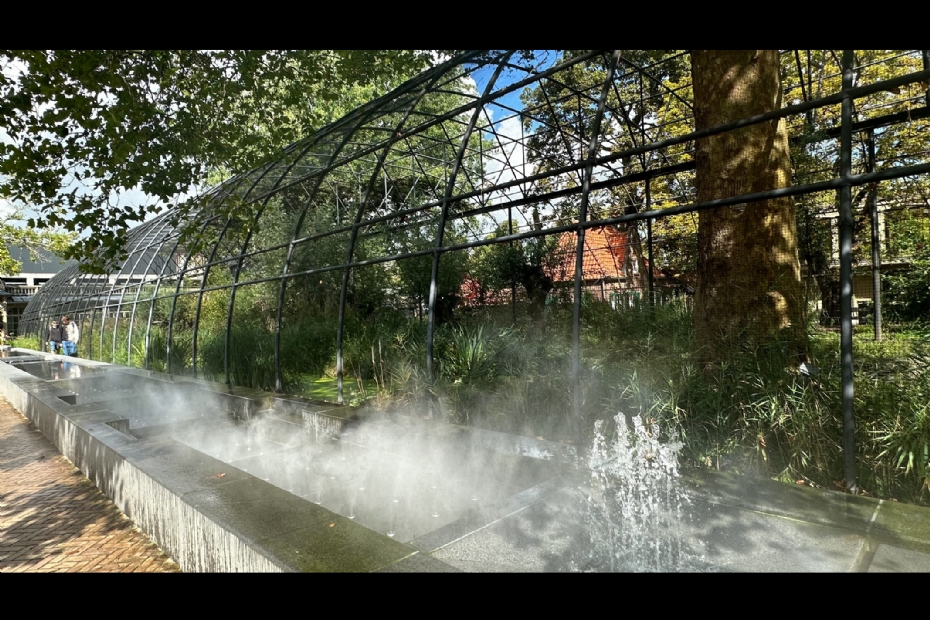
(634, 504)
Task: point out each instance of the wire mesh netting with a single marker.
(529, 240)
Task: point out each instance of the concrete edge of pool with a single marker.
(204, 513)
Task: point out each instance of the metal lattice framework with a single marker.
(488, 148)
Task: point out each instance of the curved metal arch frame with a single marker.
(233, 183)
(211, 261)
(579, 254)
(58, 294)
(141, 253)
(353, 238)
(258, 214)
(203, 287)
(135, 302)
(440, 233)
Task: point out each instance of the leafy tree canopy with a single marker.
(84, 127)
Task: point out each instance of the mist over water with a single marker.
(401, 476)
(406, 477)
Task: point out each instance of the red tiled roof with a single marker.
(604, 252)
(605, 249)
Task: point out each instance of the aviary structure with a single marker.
(505, 158)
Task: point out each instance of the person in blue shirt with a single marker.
(70, 336)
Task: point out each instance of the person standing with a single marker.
(71, 335)
(54, 338)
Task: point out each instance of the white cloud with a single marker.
(507, 161)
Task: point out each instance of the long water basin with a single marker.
(402, 485)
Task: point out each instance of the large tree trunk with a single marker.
(749, 279)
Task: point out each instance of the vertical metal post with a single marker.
(380, 168)
(876, 238)
(575, 423)
(153, 298)
(195, 336)
(203, 279)
(343, 293)
(344, 289)
(151, 247)
(649, 267)
(444, 214)
(90, 341)
(278, 381)
(810, 89)
(245, 248)
(106, 303)
(513, 281)
(846, 279)
(180, 270)
(135, 303)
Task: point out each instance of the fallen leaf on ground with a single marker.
(332, 525)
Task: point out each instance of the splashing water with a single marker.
(634, 502)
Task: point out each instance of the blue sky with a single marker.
(543, 60)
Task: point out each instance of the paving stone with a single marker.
(53, 519)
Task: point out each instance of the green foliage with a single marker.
(639, 111)
(415, 274)
(470, 353)
(86, 126)
(393, 353)
(374, 344)
(750, 414)
(28, 342)
(907, 292)
(527, 263)
(251, 356)
(816, 73)
(907, 443)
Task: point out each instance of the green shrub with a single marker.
(28, 342)
(750, 413)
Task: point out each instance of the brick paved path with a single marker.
(53, 519)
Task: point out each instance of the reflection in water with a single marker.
(65, 370)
